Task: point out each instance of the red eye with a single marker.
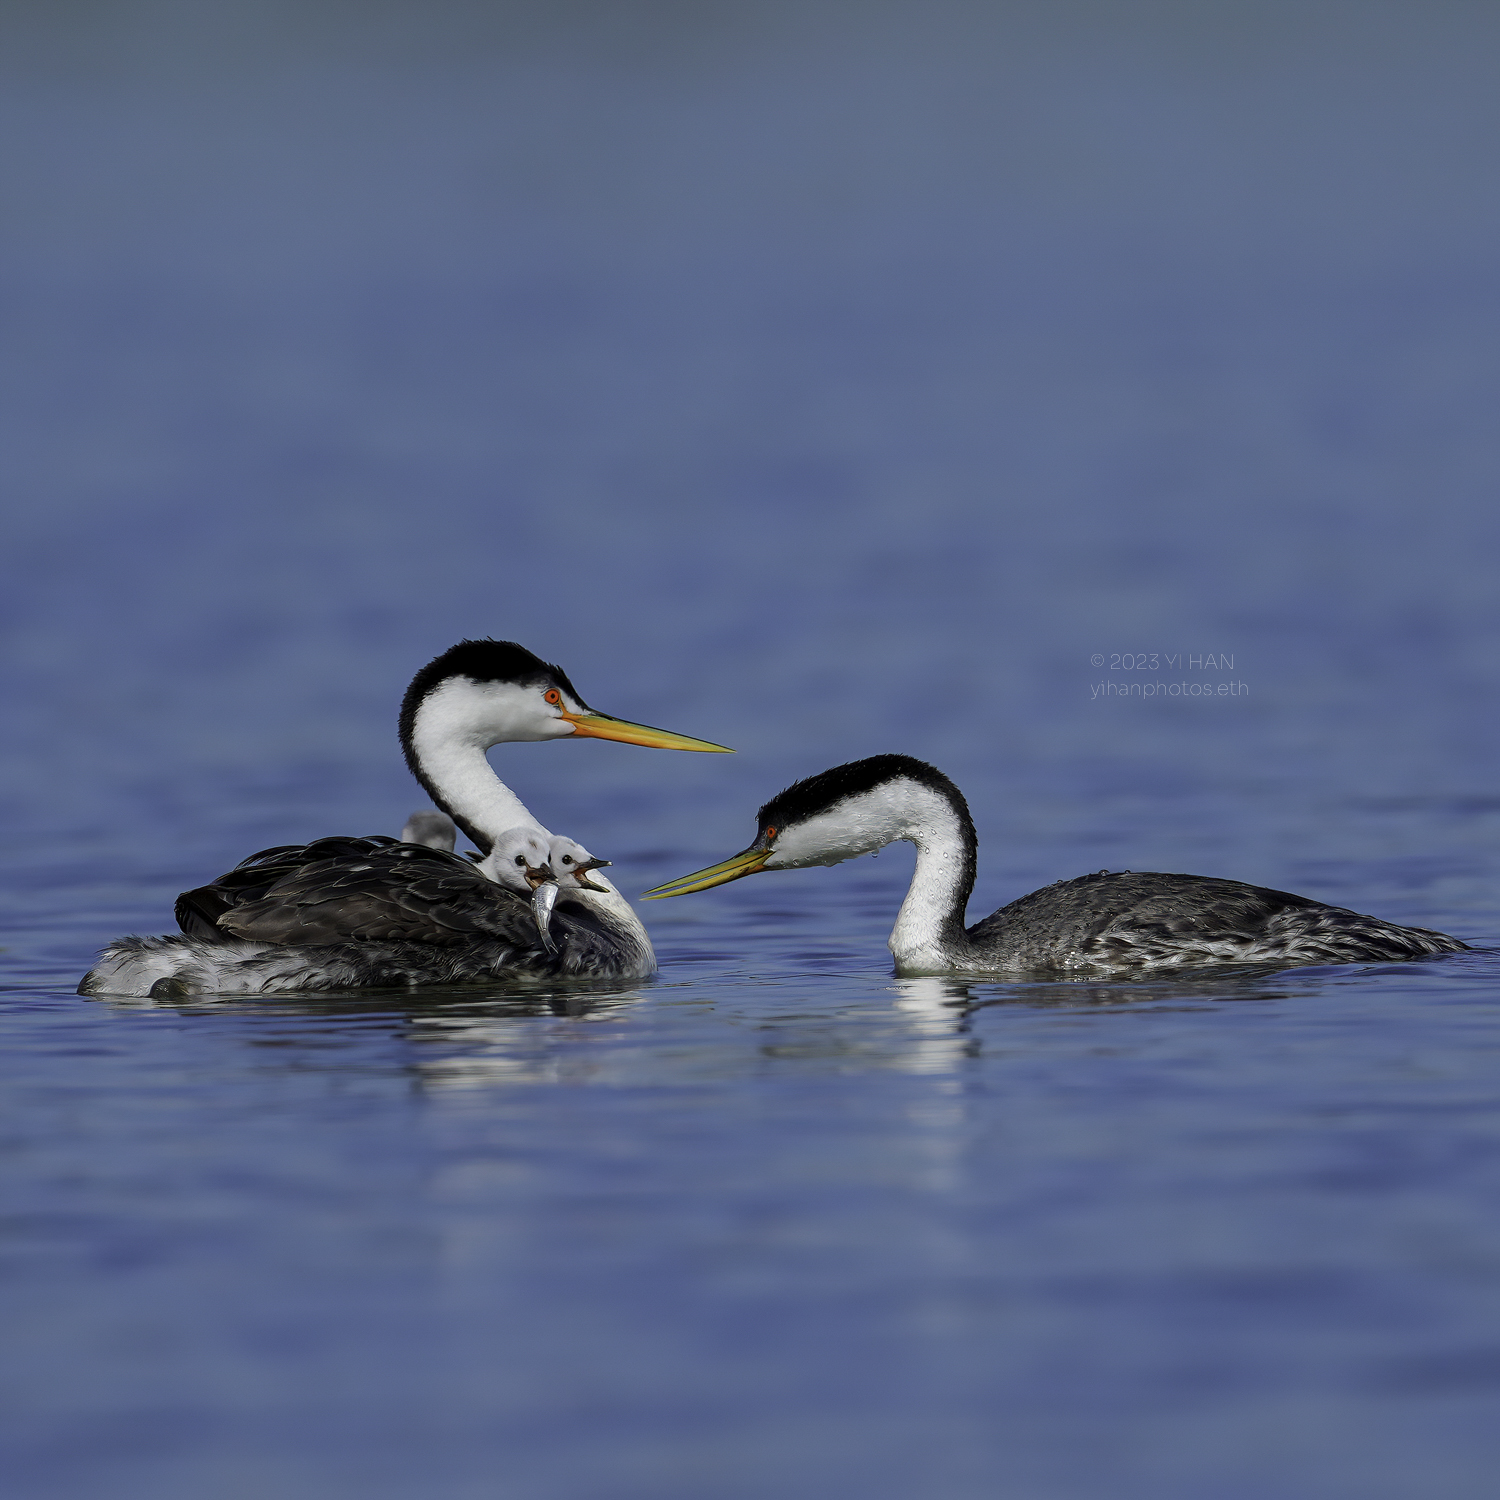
(770, 833)
(553, 696)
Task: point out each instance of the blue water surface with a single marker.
(993, 384)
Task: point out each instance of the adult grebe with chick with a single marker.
(342, 913)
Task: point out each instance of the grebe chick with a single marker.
(570, 864)
(434, 829)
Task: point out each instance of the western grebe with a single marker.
(344, 913)
(1123, 921)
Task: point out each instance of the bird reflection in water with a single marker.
(461, 1037)
(946, 1006)
(474, 1037)
(474, 1048)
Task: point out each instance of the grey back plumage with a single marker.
(1148, 920)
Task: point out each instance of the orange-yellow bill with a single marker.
(606, 727)
(735, 868)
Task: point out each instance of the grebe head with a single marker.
(481, 693)
(519, 860)
(570, 862)
(434, 829)
(836, 815)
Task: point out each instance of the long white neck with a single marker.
(929, 930)
(447, 755)
(452, 728)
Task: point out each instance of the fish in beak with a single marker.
(543, 899)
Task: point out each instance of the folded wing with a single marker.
(355, 890)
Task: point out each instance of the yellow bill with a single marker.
(606, 727)
(734, 868)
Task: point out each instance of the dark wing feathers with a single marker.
(355, 889)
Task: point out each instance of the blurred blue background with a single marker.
(822, 379)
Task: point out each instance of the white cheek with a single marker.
(859, 825)
(484, 714)
(829, 840)
(518, 712)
